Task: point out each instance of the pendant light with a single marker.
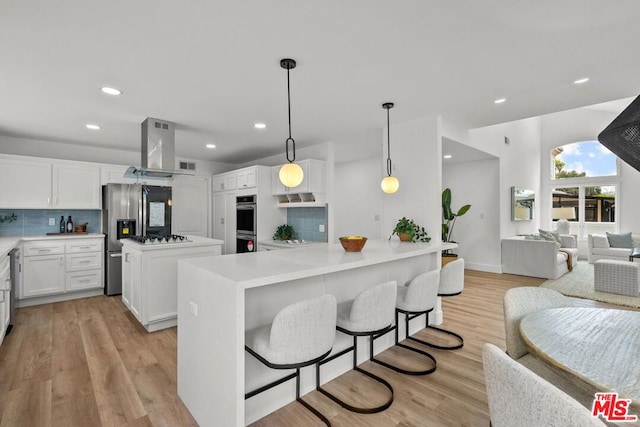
(291, 174)
(390, 183)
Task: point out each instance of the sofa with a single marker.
(538, 258)
(599, 248)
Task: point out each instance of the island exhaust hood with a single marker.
(158, 151)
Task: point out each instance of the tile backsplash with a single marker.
(306, 223)
(35, 222)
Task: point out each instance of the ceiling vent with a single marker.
(188, 166)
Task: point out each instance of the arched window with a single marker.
(585, 178)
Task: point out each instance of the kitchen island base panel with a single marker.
(214, 311)
(48, 299)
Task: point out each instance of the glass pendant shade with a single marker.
(390, 184)
(291, 174)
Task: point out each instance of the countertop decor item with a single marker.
(408, 231)
(390, 183)
(284, 232)
(353, 243)
(291, 174)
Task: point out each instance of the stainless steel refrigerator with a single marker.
(131, 210)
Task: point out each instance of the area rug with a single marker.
(579, 283)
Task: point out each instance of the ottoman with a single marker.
(616, 277)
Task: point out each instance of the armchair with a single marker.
(538, 258)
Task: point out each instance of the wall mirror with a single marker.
(522, 204)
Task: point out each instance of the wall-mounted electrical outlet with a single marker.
(193, 308)
(52, 221)
(321, 228)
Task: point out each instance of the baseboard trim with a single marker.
(488, 268)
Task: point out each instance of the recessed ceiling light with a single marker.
(580, 81)
(447, 156)
(111, 90)
(259, 125)
(92, 127)
(211, 145)
(499, 101)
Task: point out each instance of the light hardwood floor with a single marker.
(88, 362)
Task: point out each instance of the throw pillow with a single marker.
(550, 235)
(620, 240)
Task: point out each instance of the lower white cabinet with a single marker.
(60, 267)
(150, 278)
(5, 295)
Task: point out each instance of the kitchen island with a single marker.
(150, 277)
(221, 297)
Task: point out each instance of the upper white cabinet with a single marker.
(28, 183)
(313, 181)
(246, 178)
(226, 181)
(76, 186)
(24, 184)
(191, 204)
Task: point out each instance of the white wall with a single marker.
(478, 231)
(416, 152)
(519, 167)
(359, 199)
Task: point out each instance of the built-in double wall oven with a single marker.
(246, 227)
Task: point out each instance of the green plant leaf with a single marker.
(463, 210)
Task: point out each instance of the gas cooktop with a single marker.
(160, 240)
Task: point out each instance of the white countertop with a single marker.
(195, 241)
(10, 242)
(264, 268)
(284, 244)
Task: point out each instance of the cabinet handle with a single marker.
(85, 280)
(85, 262)
(48, 201)
(85, 247)
(222, 221)
(2, 295)
(60, 260)
(126, 257)
(44, 250)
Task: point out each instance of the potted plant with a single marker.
(284, 232)
(449, 219)
(409, 231)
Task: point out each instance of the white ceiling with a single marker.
(212, 67)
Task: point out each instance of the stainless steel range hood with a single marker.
(158, 151)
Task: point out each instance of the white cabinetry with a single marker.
(5, 295)
(313, 181)
(150, 278)
(224, 182)
(76, 186)
(28, 183)
(191, 205)
(246, 178)
(24, 184)
(224, 220)
(60, 268)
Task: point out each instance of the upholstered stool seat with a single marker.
(451, 284)
(369, 314)
(301, 335)
(419, 296)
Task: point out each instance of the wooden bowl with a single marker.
(354, 244)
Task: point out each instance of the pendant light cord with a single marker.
(293, 142)
(388, 146)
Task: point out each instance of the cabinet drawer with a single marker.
(77, 262)
(81, 246)
(84, 280)
(43, 248)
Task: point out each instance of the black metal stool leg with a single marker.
(406, 347)
(341, 402)
(437, 346)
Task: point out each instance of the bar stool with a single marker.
(301, 334)
(419, 296)
(451, 284)
(369, 314)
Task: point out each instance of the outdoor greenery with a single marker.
(8, 218)
(411, 229)
(561, 173)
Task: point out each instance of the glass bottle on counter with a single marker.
(69, 225)
(63, 225)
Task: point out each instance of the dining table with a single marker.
(596, 345)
